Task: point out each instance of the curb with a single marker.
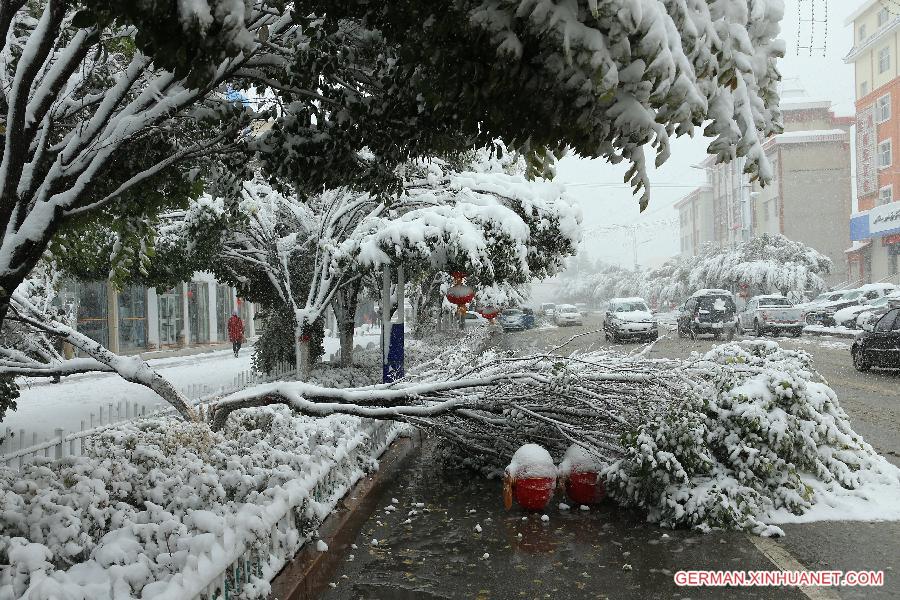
(841, 334)
(308, 573)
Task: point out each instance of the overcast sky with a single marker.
(606, 201)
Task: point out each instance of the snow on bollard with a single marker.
(530, 477)
(579, 473)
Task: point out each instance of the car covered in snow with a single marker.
(708, 311)
(548, 308)
(629, 318)
(874, 310)
(473, 319)
(879, 347)
(567, 314)
(517, 319)
(824, 313)
(771, 313)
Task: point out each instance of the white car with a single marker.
(629, 318)
(548, 309)
(473, 319)
(567, 314)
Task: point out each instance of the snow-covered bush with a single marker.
(150, 498)
(736, 447)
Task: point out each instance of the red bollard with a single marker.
(534, 493)
(529, 478)
(585, 488)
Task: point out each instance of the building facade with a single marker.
(810, 198)
(695, 220)
(138, 319)
(876, 244)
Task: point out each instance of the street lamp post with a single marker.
(392, 334)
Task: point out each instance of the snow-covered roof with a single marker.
(876, 286)
(857, 246)
(812, 135)
(804, 104)
(632, 299)
(860, 11)
(710, 292)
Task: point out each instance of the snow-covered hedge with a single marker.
(158, 507)
(739, 447)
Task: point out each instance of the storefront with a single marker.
(132, 318)
(170, 308)
(224, 307)
(198, 311)
(876, 244)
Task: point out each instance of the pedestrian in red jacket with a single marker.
(235, 332)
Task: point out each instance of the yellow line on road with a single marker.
(783, 559)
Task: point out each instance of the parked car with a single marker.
(880, 346)
(709, 311)
(517, 319)
(824, 313)
(567, 314)
(473, 319)
(629, 318)
(548, 308)
(771, 314)
(875, 309)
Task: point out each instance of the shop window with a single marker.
(93, 311)
(883, 108)
(133, 318)
(224, 306)
(886, 195)
(198, 311)
(884, 154)
(171, 316)
(884, 59)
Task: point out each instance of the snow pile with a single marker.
(757, 441)
(530, 461)
(157, 508)
(578, 459)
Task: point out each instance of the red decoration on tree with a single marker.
(459, 293)
(490, 312)
(190, 293)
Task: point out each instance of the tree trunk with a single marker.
(344, 305)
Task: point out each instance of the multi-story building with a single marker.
(875, 228)
(808, 200)
(695, 220)
(810, 197)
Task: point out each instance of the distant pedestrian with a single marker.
(235, 332)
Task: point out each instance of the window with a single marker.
(892, 263)
(883, 108)
(862, 32)
(883, 16)
(884, 154)
(887, 321)
(884, 59)
(864, 88)
(886, 195)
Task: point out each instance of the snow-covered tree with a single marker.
(769, 263)
(106, 103)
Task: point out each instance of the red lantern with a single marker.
(490, 312)
(190, 294)
(459, 293)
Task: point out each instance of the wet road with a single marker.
(428, 547)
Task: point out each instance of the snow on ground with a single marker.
(44, 406)
(823, 342)
(840, 331)
(877, 500)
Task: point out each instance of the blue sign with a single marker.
(881, 221)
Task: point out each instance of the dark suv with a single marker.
(710, 312)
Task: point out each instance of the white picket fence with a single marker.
(20, 446)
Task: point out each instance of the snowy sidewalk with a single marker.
(43, 406)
